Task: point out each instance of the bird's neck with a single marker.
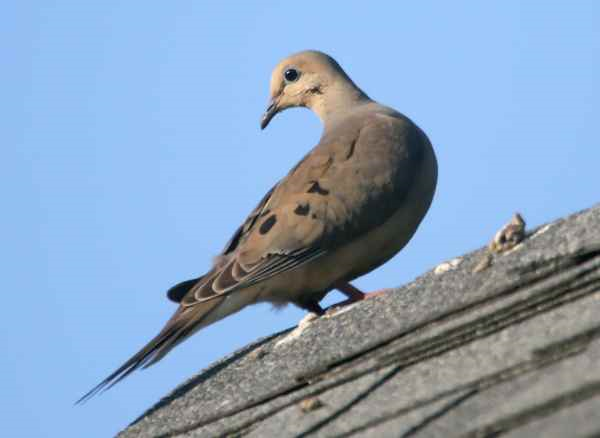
(336, 100)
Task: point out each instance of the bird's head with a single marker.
(306, 79)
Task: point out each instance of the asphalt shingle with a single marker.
(513, 349)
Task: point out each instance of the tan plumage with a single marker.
(347, 207)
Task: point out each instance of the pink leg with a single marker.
(354, 294)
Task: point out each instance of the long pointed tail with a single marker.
(182, 324)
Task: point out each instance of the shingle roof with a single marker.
(512, 350)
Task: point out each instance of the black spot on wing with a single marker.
(267, 224)
(249, 222)
(316, 188)
(351, 149)
(302, 209)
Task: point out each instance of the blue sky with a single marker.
(131, 151)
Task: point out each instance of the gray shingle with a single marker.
(513, 349)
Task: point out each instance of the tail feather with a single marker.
(199, 306)
(182, 324)
(136, 361)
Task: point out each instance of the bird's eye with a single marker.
(291, 75)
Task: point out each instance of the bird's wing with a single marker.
(342, 189)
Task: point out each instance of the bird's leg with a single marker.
(315, 308)
(353, 293)
(310, 305)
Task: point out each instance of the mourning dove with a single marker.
(347, 207)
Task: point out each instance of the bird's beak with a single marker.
(272, 109)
